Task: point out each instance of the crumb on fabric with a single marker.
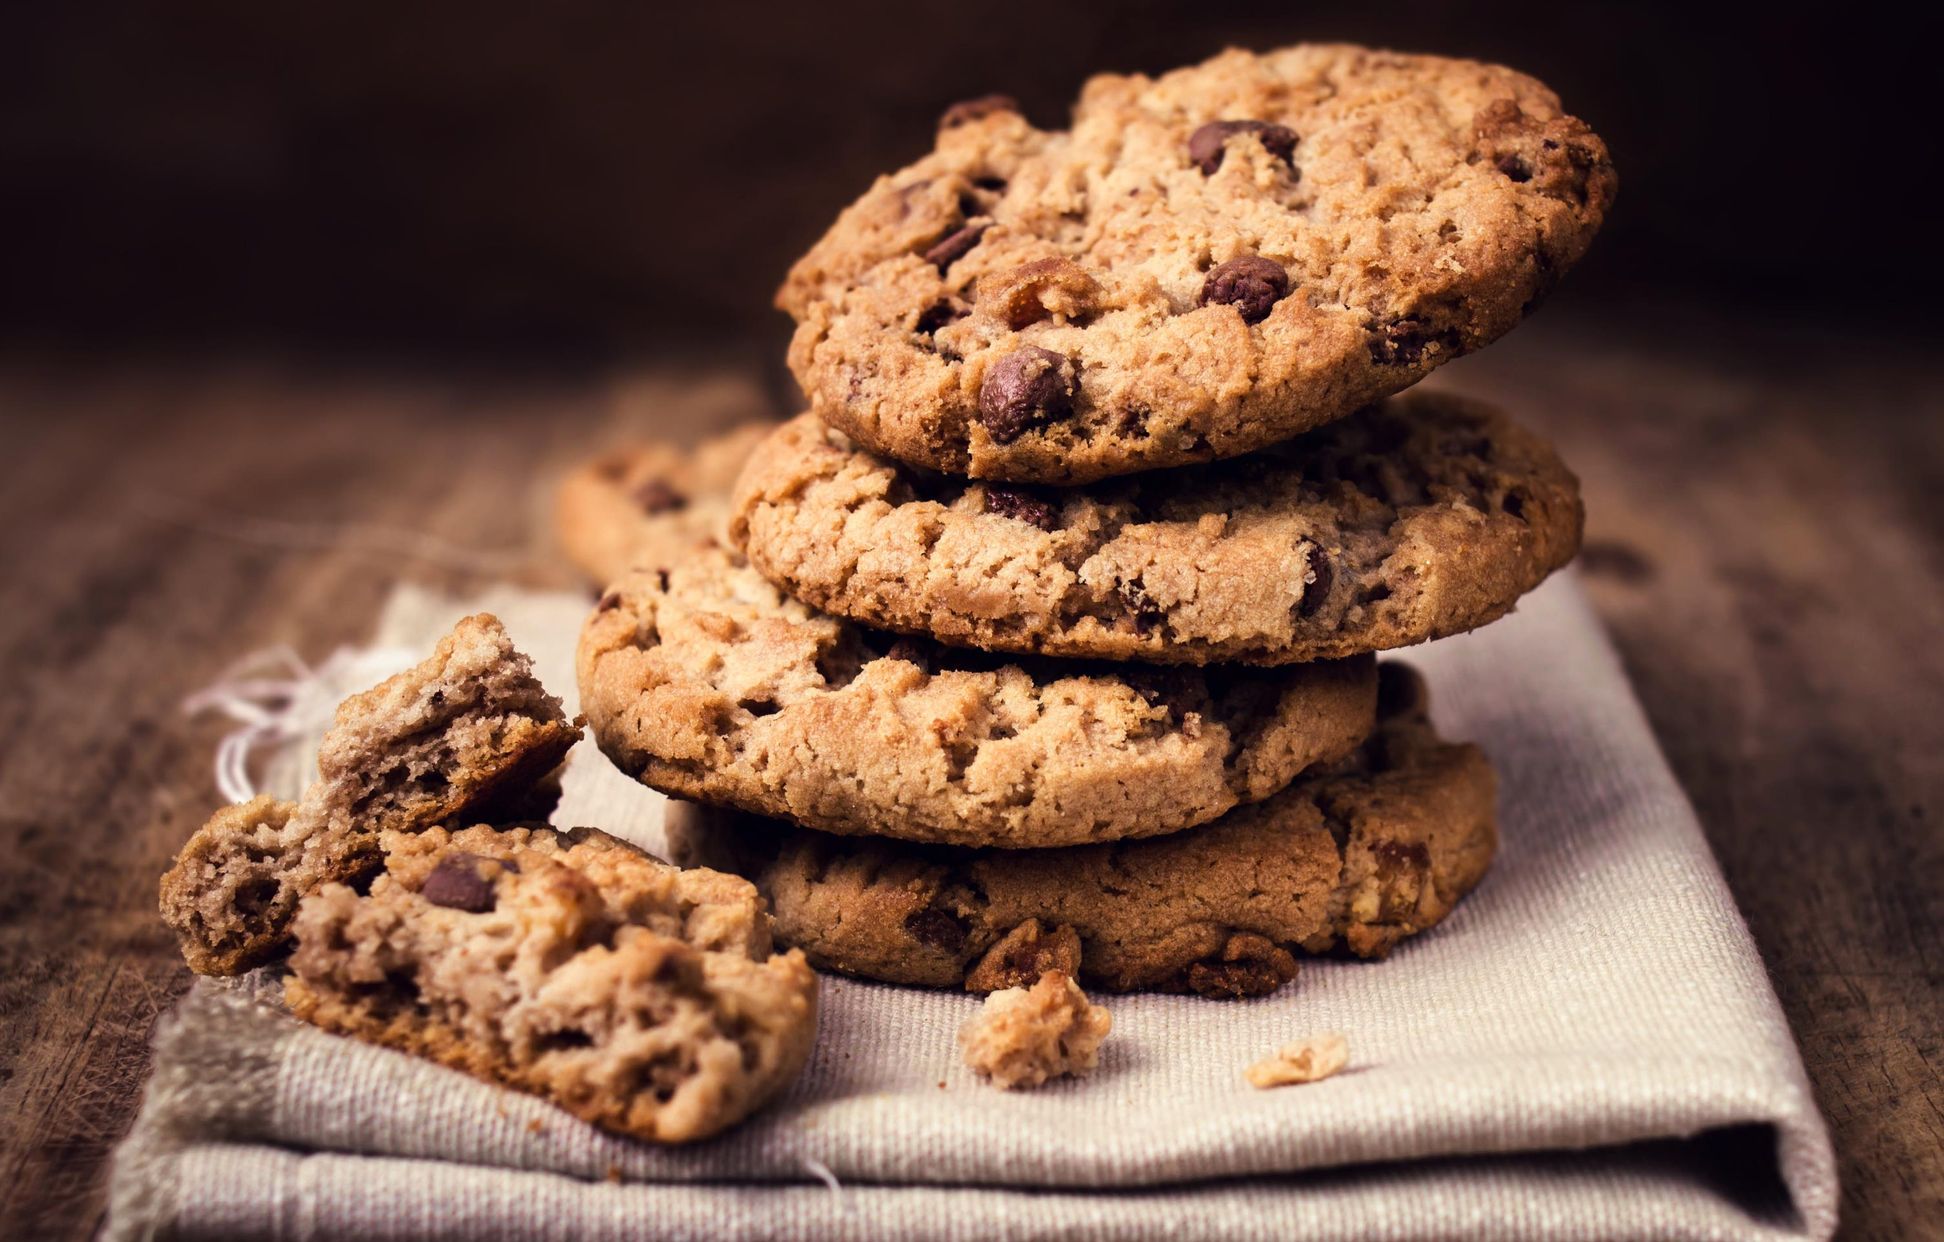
(1306, 1060)
(1025, 1036)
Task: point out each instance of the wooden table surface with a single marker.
(1763, 541)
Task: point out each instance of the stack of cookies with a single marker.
(1046, 639)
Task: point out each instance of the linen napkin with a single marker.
(1588, 1048)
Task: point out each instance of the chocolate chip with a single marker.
(1402, 342)
(608, 602)
(954, 246)
(457, 884)
(938, 928)
(1207, 145)
(1251, 284)
(656, 496)
(936, 316)
(1141, 608)
(1025, 388)
(1022, 506)
(1515, 168)
(1318, 590)
(976, 109)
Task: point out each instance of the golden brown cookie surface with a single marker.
(1205, 263)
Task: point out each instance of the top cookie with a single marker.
(1424, 516)
(1208, 262)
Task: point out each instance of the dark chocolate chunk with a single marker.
(1251, 284)
(1402, 342)
(954, 246)
(1318, 590)
(1027, 387)
(656, 496)
(938, 928)
(1022, 506)
(1234, 980)
(936, 316)
(1208, 144)
(457, 884)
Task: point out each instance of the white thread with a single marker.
(822, 1172)
(275, 698)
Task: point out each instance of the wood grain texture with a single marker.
(1763, 542)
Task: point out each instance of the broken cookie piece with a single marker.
(1306, 1060)
(1024, 1036)
(466, 733)
(639, 997)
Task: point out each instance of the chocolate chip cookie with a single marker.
(1206, 263)
(1420, 517)
(648, 503)
(639, 997)
(706, 682)
(1380, 847)
(469, 729)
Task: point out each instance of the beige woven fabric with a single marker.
(1589, 1048)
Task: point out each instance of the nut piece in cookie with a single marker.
(639, 997)
(1024, 1036)
(470, 732)
(1306, 1060)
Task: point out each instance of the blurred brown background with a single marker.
(297, 301)
(614, 174)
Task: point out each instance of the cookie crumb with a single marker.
(536, 1126)
(1024, 1036)
(1306, 1060)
